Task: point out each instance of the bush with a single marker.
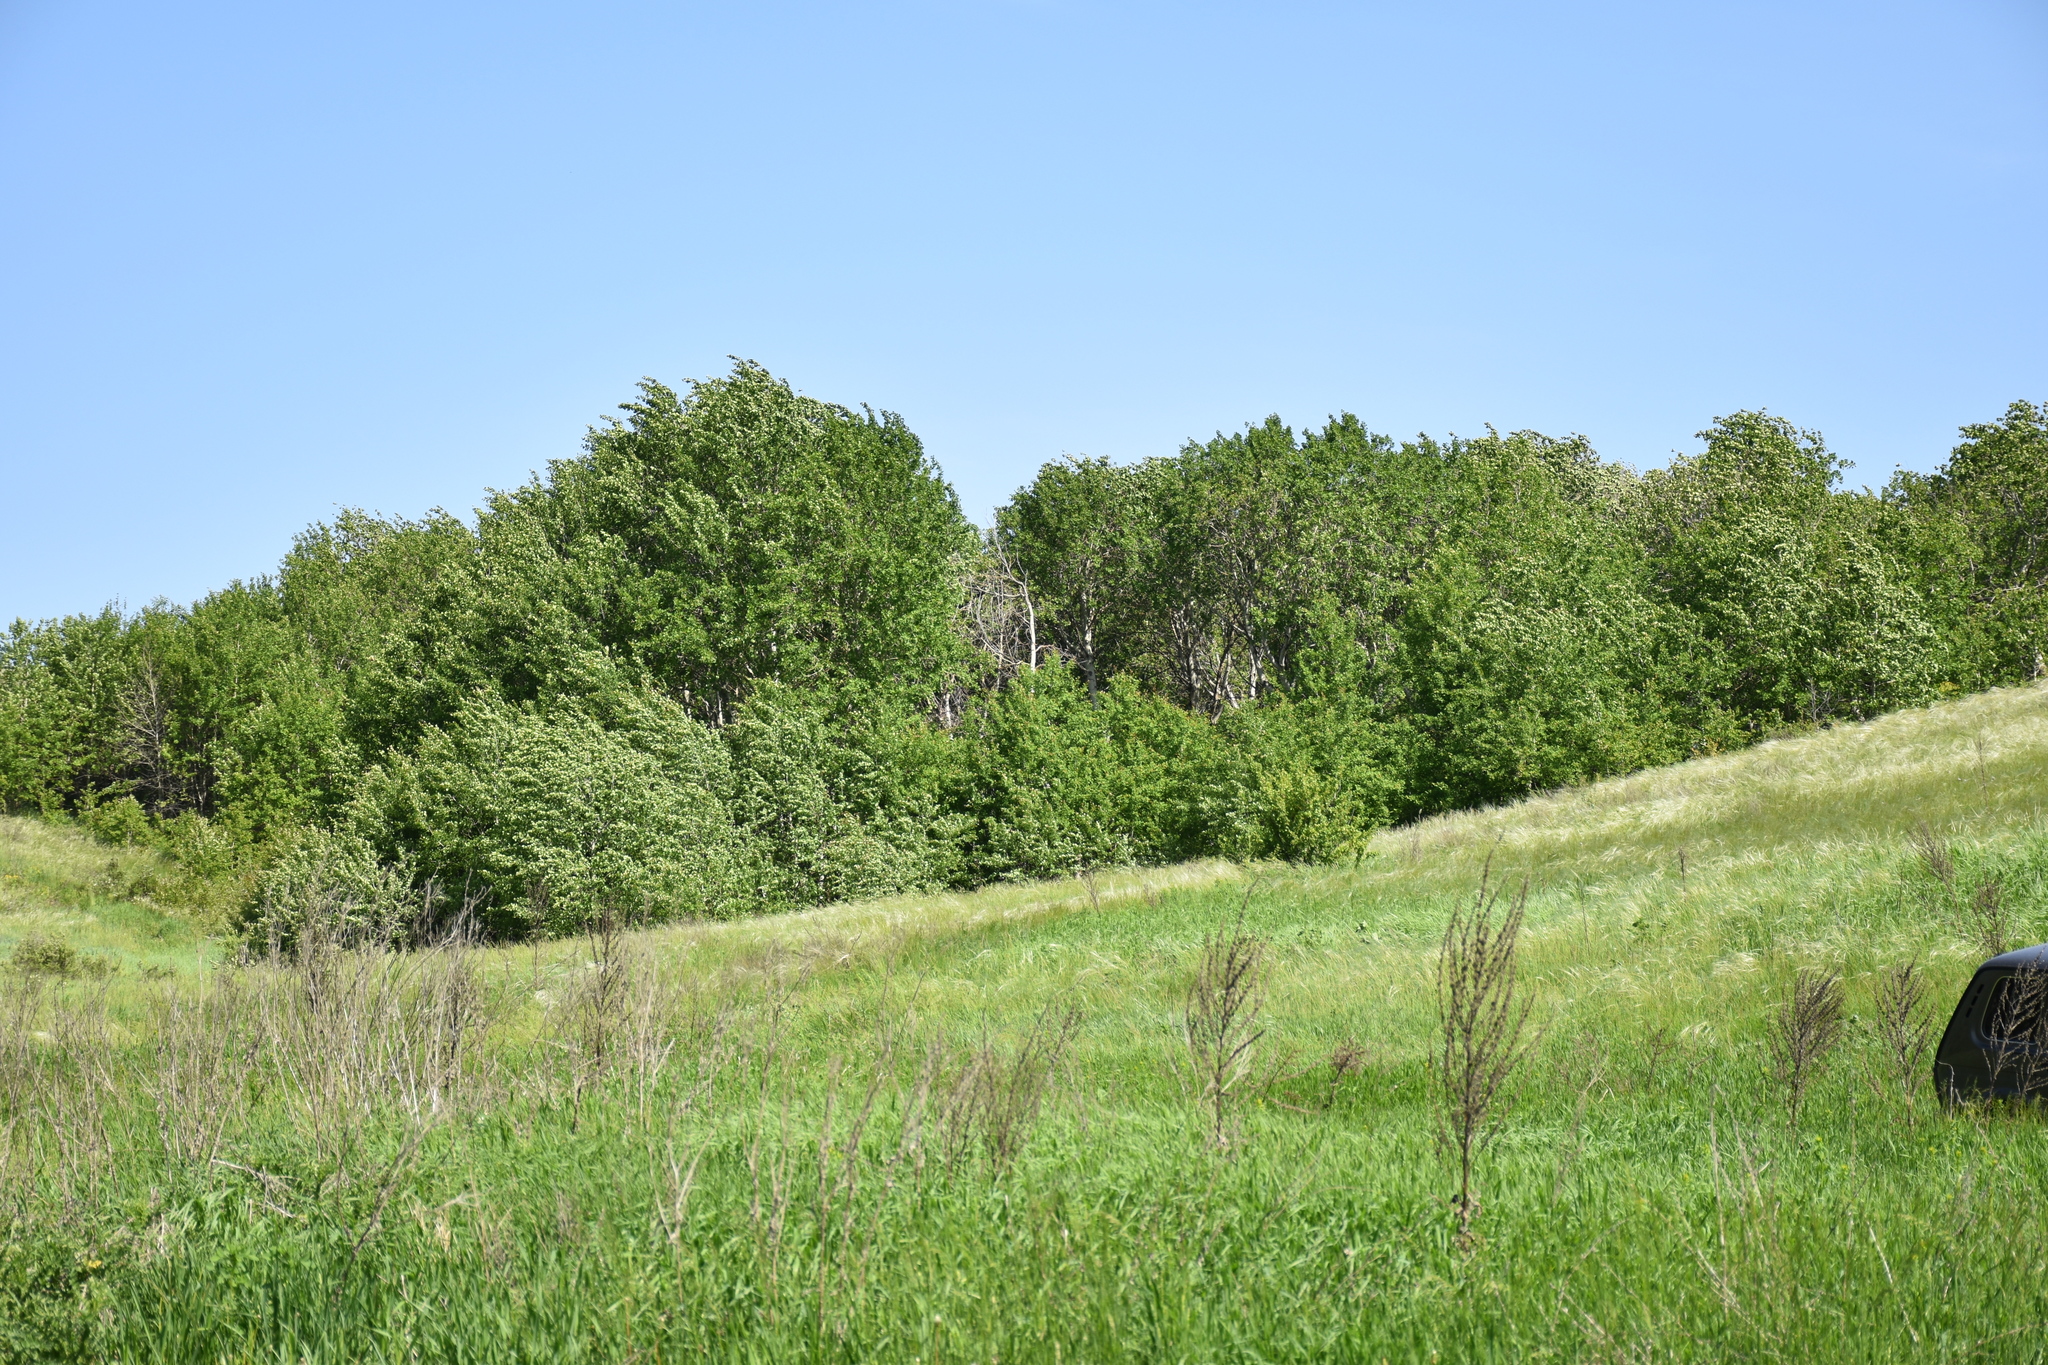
(1304, 781)
(214, 864)
(121, 822)
(834, 808)
(41, 955)
(1060, 784)
(544, 821)
(57, 1292)
(333, 884)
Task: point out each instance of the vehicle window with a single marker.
(2016, 1005)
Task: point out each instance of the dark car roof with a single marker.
(2036, 956)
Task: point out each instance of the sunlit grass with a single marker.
(56, 882)
(1646, 1199)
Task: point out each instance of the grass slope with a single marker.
(845, 1135)
(57, 884)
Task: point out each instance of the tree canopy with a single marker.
(744, 652)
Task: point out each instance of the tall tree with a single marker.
(1080, 533)
(1982, 524)
(1788, 582)
(743, 532)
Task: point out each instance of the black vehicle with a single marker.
(1996, 1043)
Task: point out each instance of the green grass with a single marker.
(55, 883)
(379, 1193)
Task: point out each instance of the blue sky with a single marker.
(261, 261)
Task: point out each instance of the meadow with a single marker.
(972, 1127)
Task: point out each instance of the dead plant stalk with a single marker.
(1484, 1034)
(1222, 1017)
(1905, 1030)
(1804, 1030)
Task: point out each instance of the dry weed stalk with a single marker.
(1347, 1059)
(994, 1104)
(349, 1033)
(852, 1259)
(85, 1089)
(807, 1182)
(2018, 1030)
(1583, 1068)
(58, 1081)
(1982, 914)
(1747, 1262)
(1935, 858)
(1483, 1030)
(1221, 1021)
(1988, 919)
(651, 1038)
(769, 1154)
(207, 1044)
(839, 1170)
(598, 1006)
(24, 1066)
(1903, 1027)
(21, 1060)
(714, 1053)
(1658, 1044)
(1804, 1029)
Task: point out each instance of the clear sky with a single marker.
(258, 261)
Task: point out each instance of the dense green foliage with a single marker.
(745, 653)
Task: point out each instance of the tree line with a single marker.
(745, 653)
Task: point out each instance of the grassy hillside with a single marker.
(969, 1127)
(56, 885)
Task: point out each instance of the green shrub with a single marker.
(121, 822)
(1062, 784)
(57, 1292)
(543, 821)
(42, 955)
(331, 884)
(214, 864)
(1303, 781)
(834, 810)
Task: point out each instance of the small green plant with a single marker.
(41, 955)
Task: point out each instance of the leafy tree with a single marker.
(1980, 523)
(1081, 534)
(60, 690)
(740, 534)
(744, 653)
(1807, 618)
(394, 611)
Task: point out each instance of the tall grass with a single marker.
(964, 1130)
